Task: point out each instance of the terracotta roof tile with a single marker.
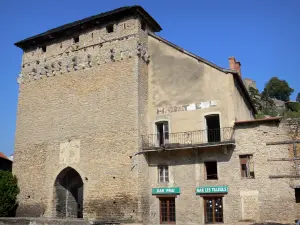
(3, 156)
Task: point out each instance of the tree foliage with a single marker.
(279, 89)
(255, 97)
(298, 98)
(8, 193)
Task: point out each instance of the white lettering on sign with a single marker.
(221, 189)
(190, 107)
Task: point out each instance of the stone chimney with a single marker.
(235, 65)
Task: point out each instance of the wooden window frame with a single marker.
(164, 173)
(245, 159)
(205, 197)
(167, 197)
(165, 133)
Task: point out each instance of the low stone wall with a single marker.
(54, 221)
(50, 221)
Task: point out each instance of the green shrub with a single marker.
(8, 193)
(293, 106)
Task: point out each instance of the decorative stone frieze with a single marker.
(75, 58)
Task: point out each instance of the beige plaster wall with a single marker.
(176, 79)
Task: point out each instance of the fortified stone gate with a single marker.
(68, 194)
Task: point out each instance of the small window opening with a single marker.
(60, 45)
(76, 39)
(213, 210)
(167, 210)
(110, 28)
(162, 129)
(211, 170)
(163, 174)
(213, 128)
(247, 166)
(297, 195)
(92, 35)
(143, 26)
(44, 48)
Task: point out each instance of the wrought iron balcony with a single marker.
(189, 139)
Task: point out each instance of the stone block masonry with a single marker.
(71, 114)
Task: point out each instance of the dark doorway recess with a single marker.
(68, 194)
(213, 128)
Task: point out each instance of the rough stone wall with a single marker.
(259, 199)
(71, 112)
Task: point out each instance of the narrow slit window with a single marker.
(143, 26)
(297, 195)
(44, 48)
(110, 28)
(167, 211)
(76, 39)
(247, 166)
(163, 174)
(211, 170)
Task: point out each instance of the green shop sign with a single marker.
(212, 190)
(165, 191)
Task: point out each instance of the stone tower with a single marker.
(75, 147)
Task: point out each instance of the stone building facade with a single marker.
(118, 124)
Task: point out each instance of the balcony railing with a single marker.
(188, 139)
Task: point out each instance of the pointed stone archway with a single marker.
(68, 194)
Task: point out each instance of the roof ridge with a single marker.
(128, 10)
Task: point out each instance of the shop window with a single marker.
(247, 166)
(211, 170)
(167, 210)
(162, 129)
(297, 195)
(213, 128)
(213, 210)
(163, 174)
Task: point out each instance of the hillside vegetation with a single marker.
(274, 100)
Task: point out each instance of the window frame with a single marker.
(246, 160)
(205, 167)
(213, 197)
(165, 133)
(167, 198)
(165, 168)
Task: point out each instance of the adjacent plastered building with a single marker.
(116, 123)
